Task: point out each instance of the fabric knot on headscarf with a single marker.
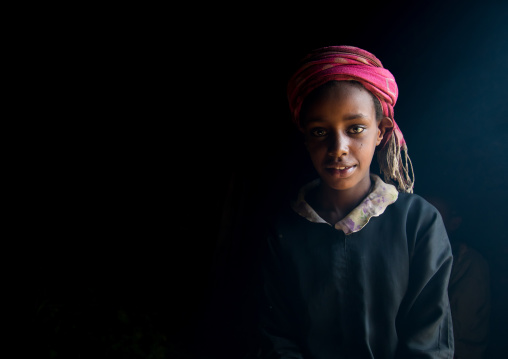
(342, 63)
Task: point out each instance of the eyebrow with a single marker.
(351, 117)
(355, 116)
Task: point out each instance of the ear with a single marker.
(383, 126)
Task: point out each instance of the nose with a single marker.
(338, 146)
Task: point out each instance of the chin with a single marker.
(341, 185)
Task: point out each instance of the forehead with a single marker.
(338, 97)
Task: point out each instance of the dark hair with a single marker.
(316, 93)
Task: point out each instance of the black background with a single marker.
(171, 131)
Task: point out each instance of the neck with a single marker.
(333, 205)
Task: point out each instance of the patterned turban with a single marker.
(352, 63)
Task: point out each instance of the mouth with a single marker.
(341, 171)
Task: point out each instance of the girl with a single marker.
(356, 267)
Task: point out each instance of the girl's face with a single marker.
(341, 135)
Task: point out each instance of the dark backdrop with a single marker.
(178, 135)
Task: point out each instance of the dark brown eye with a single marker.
(318, 132)
(357, 129)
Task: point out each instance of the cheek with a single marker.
(365, 149)
(314, 145)
(317, 151)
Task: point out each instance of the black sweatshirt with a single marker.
(377, 293)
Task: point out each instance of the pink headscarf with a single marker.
(352, 63)
(345, 63)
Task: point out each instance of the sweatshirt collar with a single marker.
(376, 202)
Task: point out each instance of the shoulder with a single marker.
(289, 232)
(284, 216)
(419, 220)
(416, 209)
(287, 224)
(414, 201)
